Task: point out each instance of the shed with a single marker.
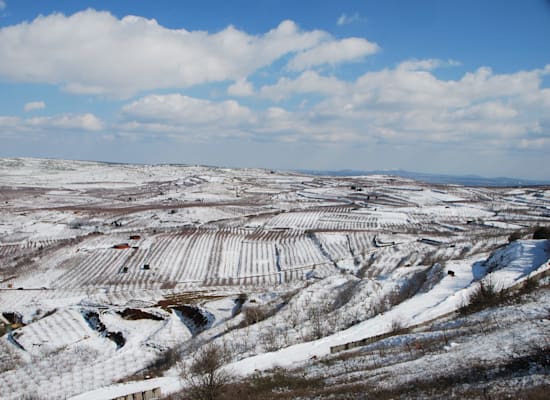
(121, 246)
(135, 237)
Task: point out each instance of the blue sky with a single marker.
(430, 86)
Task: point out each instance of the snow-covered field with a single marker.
(104, 268)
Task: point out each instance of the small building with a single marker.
(135, 237)
(121, 246)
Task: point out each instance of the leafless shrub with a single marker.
(397, 327)
(432, 258)
(484, 296)
(269, 338)
(316, 317)
(294, 315)
(253, 315)
(166, 360)
(515, 236)
(206, 377)
(345, 293)
(281, 379)
(414, 284)
(464, 252)
(366, 266)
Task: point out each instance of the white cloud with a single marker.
(345, 19)
(410, 104)
(34, 105)
(7, 121)
(2, 5)
(241, 88)
(421, 65)
(93, 52)
(406, 105)
(184, 110)
(307, 82)
(87, 122)
(75, 122)
(333, 52)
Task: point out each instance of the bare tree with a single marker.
(207, 378)
(316, 316)
(269, 337)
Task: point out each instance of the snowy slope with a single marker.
(523, 258)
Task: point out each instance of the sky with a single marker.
(436, 86)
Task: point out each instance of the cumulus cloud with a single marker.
(94, 52)
(333, 52)
(87, 122)
(74, 122)
(184, 110)
(241, 88)
(407, 104)
(307, 82)
(34, 105)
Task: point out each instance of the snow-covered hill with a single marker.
(105, 270)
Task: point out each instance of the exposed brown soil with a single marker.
(134, 314)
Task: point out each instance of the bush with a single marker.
(253, 315)
(280, 380)
(207, 379)
(279, 384)
(397, 327)
(484, 296)
(514, 236)
(529, 285)
(166, 360)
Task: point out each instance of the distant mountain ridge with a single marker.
(466, 180)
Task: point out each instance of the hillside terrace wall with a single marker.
(151, 394)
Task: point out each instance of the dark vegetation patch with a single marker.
(195, 318)
(273, 385)
(166, 360)
(193, 313)
(542, 232)
(252, 314)
(14, 318)
(133, 314)
(485, 295)
(94, 322)
(255, 314)
(187, 298)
